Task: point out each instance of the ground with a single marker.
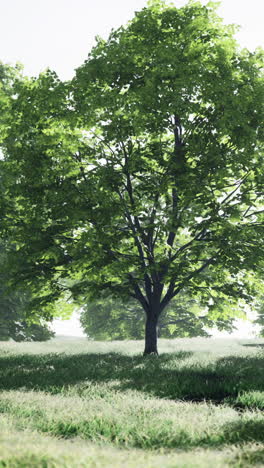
(78, 403)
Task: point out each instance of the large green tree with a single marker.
(144, 175)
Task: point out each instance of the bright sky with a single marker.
(59, 34)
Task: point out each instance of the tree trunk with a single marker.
(151, 336)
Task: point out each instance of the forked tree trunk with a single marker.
(151, 335)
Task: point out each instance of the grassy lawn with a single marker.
(75, 403)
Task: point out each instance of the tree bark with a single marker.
(151, 335)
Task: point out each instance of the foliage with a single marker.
(22, 330)
(14, 303)
(144, 175)
(14, 322)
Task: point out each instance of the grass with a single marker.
(75, 403)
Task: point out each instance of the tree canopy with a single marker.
(144, 174)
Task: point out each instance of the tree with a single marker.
(144, 175)
(260, 317)
(259, 307)
(15, 322)
(113, 319)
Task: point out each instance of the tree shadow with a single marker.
(219, 382)
(249, 457)
(164, 377)
(51, 372)
(251, 345)
(244, 431)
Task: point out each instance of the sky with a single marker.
(60, 33)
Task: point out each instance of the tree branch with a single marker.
(235, 190)
(195, 273)
(168, 296)
(138, 294)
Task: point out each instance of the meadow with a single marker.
(78, 403)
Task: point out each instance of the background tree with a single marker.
(144, 175)
(15, 321)
(260, 318)
(113, 319)
(259, 307)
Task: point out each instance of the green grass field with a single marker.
(75, 403)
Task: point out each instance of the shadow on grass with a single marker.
(244, 431)
(159, 377)
(251, 345)
(249, 457)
